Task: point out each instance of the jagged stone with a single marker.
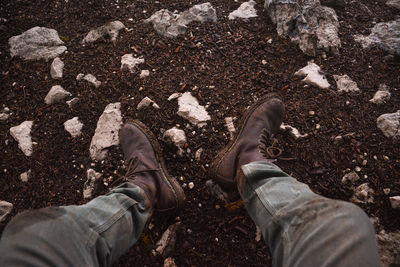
(165, 246)
(90, 78)
(390, 124)
(245, 11)
(73, 126)
(230, 126)
(56, 94)
(89, 186)
(177, 137)
(169, 262)
(382, 95)
(363, 194)
(129, 62)
(25, 176)
(5, 209)
(350, 177)
(313, 76)
(144, 73)
(191, 110)
(293, 131)
(106, 134)
(312, 26)
(56, 68)
(345, 84)
(22, 134)
(147, 102)
(106, 32)
(384, 35)
(395, 202)
(71, 103)
(171, 24)
(37, 43)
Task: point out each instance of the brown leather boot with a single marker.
(147, 169)
(263, 116)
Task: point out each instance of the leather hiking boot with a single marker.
(263, 117)
(147, 169)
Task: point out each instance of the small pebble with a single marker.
(191, 185)
(386, 191)
(311, 112)
(358, 169)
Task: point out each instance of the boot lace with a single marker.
(268, 146)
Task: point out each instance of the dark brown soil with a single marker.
(229, 58)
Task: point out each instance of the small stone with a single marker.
(25, 176)
(395, 202)
(22, 134)
(4, 116)
(144, 73)
(191, 110)
(350, 177)
(174, 96)
(312, 113)
(264, 62)
(74, 127)
(89, 186)
(198, 153)
(5, 209)
(381, 96)
(364, 162)
(317, 126)
(106, 32)
(191, 185)
(390, 124)
(169, 262)
(293, 131)
(177, 137)
(147, 102)
(231, 127)
(313, 76)
(71, 103)
(386, 191)
(56, 68)
(358, 169)
(129, 62)
(90, 78)
(363, 194)
(245, 11)
(345, 84)
(166, 245)
(56, 94)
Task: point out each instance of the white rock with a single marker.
(191, 185)
(171, 24)
(293, 131)
(390, 124)
(345, 84)
(350, 177)
(56, 68)
(307, 23)
(231, 127)
(5, 114)
(191, 110)
(198, 153)
(88, 188)
(245, 11)
(147, 102)
(174, 96)
(56, 94)
(167, 242)
(395, 202)
(5, 209)
(37, 43)
(363, 194)
(72, 102)
(73, 126)
(106, 134)
(384, 35)
(169, 262)
(144, 73)
(129, 62)
(90, 78)
(22, 134)
(25, 176)
(177, 137)
(106, 32)
(386, 191)
(313, 76)
(382, 95)
(393, 3)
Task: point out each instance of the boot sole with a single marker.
(170, 180)
(213, 171)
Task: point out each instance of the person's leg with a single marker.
(97, 233)
(94, 234)
(301, 227)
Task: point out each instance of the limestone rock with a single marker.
(191, 110)
(177, 137)
(363, 194)
(198, 153)
(174, 96)
(313, 76)
(395, 202)
(381, 96)
(5, 114)
(169, 262)
(390, 124)
(166, 244)
(106, 134)
(245, 11)
(5, 209)
(144, 73)
(37, 43)
(56, 68)
(56, 94)
(106, 32)
(73, 126)
(389, 248)
(293, 131)
(384, 35)
(393, 3)
(350, 177)
(147, 102)
(71, 103)
(231, 127)
(22, 134)
(345, 84)
(90, 78)
(312, 26)
(25, 176)
(128, 62)
(89, 186)
(171, 24)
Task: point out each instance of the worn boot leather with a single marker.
(265, 116)
(147, 169)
